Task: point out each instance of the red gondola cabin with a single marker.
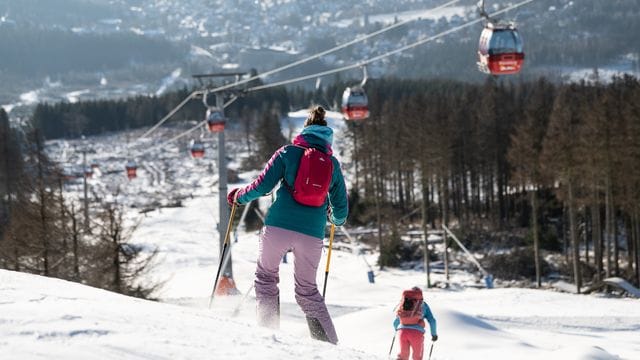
(355, 105)
(132, 170)
(500, 49)
(215, 120)
(197, 149)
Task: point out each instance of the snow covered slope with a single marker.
(48, 318)
(43, 318)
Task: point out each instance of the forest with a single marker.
(531, 169)
(557, 160)
(43, 231)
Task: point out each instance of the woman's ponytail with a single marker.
(316, 117)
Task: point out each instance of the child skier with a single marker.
(409, 323)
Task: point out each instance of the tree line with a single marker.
(44, 230)
(559, 160)
(73, 120)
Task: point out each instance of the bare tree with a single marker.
(560, 161)
(117, 262)
(524, 155)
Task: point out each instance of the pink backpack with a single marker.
(409, 310)
(315, 171)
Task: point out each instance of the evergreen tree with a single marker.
(11, 171)
(268, 135)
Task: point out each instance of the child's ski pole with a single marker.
(431, 350)
(392, 341)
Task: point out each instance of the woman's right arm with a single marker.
(265, 182)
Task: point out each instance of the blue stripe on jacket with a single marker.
(426, 314)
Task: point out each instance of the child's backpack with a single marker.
(409, 310)
(315, 171)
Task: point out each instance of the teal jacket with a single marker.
(426, 314)
(285, 212)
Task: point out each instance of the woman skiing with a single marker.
(293, 226)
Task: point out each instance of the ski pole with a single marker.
(392, 342)
(326, 271)
(236, 311)
(431, 350)
(224, 251)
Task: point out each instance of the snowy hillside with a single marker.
(43, 318)
(48, 318)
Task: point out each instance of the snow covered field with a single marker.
(43, 318)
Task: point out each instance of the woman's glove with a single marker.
(434, 337)
(232, 197)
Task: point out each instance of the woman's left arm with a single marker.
(266, 181)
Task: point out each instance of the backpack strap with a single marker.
(284, 181)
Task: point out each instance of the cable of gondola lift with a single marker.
(387, 54)
(291, 65)
(332, 71)
(344, 68)
(184, 133)
(329, 51)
